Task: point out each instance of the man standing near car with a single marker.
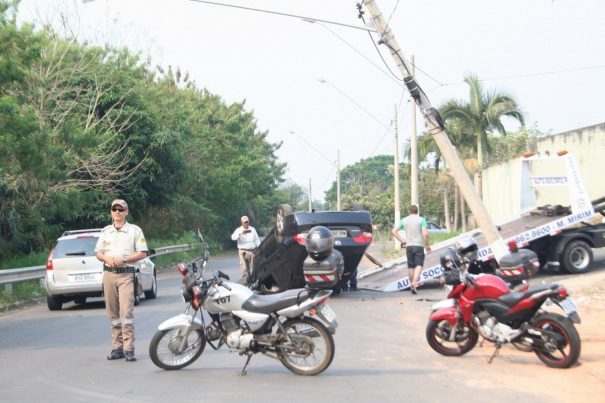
(119, 247)
(416, 240)
(247, 241)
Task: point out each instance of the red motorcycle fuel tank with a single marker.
(488, 286)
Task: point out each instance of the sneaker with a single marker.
(130, 356)
(116, 354)
(413, 291)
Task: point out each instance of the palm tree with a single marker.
(479, 117)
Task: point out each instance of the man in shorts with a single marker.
(416, 240)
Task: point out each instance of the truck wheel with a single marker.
(280, 219)
(577, 257)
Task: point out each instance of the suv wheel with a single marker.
(153, 292)
(54, 303)
(137, 296)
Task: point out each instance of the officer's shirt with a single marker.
(121, 242)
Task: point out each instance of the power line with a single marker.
(282, 14)
(362, 55)
(312, 147)
(523, 75)
(323, 81)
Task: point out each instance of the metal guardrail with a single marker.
(9, 276)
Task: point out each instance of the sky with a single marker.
(324, 90)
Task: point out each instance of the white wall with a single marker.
(501, 183)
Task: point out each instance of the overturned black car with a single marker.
(278, 261)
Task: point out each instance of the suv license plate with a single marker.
(85, 277)
(568, 306)
(327, 313)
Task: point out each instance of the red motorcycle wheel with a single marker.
(438, 337)
(562, 338)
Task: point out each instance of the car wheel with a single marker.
(153, 292)
(54, 302)
(280, 219)
(137, 296)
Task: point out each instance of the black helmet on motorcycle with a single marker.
(467, 247)
(451, 263)
(320, 242)
(450, 260)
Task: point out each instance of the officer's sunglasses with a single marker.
(120, 210)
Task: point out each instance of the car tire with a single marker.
(153, 292)
(55, 303)
(280, 219)
(137, 296)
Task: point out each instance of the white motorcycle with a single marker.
(294, 327)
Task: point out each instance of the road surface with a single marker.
(381, 355)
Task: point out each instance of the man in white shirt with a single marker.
(247, 241)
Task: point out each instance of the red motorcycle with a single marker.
(483, 305)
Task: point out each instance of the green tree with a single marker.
(480, 116)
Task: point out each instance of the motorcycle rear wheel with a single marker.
(561, 333)
(312, 348)
(164, 345)
(438, 332)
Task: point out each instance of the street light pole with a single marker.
(396, 201)
(337, 180)
(413, 149)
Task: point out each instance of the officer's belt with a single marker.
(118, 270)
(247, 250)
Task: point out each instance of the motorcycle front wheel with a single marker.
(438, 335)
(174, 349)
(308, 348)
(562, 341)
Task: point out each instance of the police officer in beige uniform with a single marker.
(247, 241)
(119, 247)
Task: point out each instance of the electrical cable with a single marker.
(311, 145)
(214, 3)
(362, 55)
(352, 101)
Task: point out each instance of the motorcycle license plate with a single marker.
(568, 306)
(327, 313)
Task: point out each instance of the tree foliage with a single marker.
(479, 116)
(82, 124)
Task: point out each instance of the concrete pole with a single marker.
(396, 201)
(441, 139)
(413, 148)
(337, 180)
(310, 197)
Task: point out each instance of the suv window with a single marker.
(76, 247)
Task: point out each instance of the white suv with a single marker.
(74, 273)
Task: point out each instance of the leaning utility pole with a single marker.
(435, 126)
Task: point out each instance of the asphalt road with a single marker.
(381, 355)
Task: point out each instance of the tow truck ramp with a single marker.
(533, 223)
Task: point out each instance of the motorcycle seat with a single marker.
(512, 298)
(275, 302)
